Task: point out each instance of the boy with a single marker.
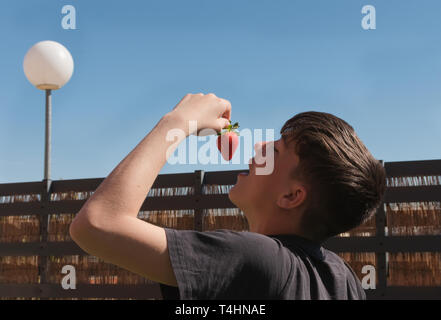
(324, 182)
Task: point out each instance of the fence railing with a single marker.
(381, 244)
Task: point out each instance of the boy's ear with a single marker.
(295, 197)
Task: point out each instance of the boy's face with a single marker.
(260, 189)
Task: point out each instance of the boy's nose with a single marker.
(257, 147)
(262, 147)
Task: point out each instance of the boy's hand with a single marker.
(209, 112)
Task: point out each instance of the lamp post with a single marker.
(48, 65)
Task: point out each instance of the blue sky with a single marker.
(134, 60)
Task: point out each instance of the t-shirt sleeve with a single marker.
(226, 264)
(355, 289)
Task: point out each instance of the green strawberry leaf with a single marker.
(229, 128)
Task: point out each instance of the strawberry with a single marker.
(228, 140)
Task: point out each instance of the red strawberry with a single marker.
(227, 141)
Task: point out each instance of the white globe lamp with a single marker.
(48, 65)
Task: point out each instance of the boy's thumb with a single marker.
(223, 123)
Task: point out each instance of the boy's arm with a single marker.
(107, 225)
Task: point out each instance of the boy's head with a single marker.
(324, 181)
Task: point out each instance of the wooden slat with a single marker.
(351, 244)
(174, 180)
(380, 255)
(58, 248)
(413, 194)
(157, 203)
(222, 177)
(141, 291)
(198, 222)
(65, 206)
(7, 189)
(213, 201)
(168, 203)
(20, 208)
(19, 290)
(413, 243)
(336, 244)
(20, 249)
(62, 248)
(387, 244)
(36, 208)
(413, 168)
(151, 203)
(162, 181)
(76, 185)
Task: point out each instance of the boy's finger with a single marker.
(227, 111)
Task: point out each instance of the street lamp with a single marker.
(48, 65)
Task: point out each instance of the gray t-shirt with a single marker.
(226, 264)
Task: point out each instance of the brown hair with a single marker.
(345, 183)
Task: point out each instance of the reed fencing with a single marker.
(402, 241)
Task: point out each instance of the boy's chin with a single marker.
(231, 194)
(235, 196)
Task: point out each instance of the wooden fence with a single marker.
(42, 203)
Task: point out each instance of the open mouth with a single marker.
(246, 173)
